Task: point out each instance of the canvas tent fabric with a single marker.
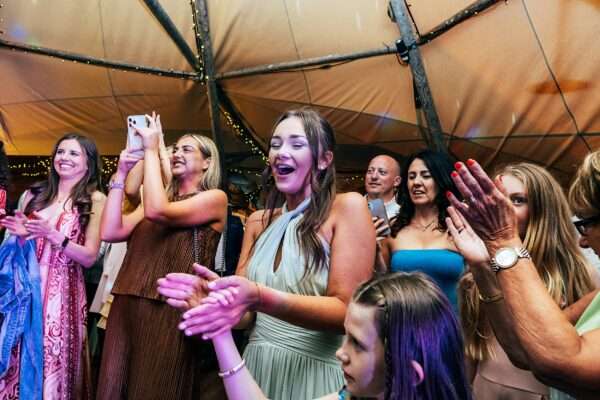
(519, 81)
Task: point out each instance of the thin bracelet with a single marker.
(259, 297)
(232, 371)
(116, 185)
(490, 299)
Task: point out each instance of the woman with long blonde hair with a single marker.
(544, 222)
(144, 355)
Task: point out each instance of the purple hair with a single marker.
(415, 322)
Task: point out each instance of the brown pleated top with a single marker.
(154, 250)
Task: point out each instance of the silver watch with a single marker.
(507, 257)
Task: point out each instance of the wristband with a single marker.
(65, 242)
(116, 185)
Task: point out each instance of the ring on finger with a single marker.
(462, 228)
(471, 200)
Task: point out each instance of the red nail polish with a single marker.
(458, 165)
(470, 162)
(448, 194)
(454, 174)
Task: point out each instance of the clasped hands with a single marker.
(211, 305)
(31, 228)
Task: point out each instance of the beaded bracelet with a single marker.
(232, 371)
(116, 185)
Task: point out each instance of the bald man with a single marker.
(382, 181)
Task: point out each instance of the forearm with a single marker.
(81, 254)
(546, 335)
(498, 315)
(321, 313)
(112, 217)
(155, 197)
(240, 385)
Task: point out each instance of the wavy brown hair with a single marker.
(81, 194)
(415, 321)
(321, 138)
(551, 240)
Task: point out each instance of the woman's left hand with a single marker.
(15, 224)
(229, 299)
(466, 240)
(152, 133)
(40, 227)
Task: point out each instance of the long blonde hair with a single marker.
(584, 194)
(211, 178)
(551, 240)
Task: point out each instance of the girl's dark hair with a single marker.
(440, 166)
(81, 195)
(4, 170)
(415, 321)
(320, 138)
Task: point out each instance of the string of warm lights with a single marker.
(38, 166)
(244, 136)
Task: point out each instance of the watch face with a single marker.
(506, 257)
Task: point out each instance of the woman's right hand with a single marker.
(185, 291)
(128, 159)
(16, 224)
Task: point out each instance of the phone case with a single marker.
(134, 141)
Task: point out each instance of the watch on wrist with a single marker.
(507, 257)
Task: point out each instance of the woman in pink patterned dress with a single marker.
(63, 215)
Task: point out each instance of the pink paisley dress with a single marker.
(64, 307)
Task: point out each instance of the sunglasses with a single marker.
(583, 224)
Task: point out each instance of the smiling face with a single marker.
(70, 160)
(187, 160)
(517, 193)
(362, 353)
(290, 158)
(382, 178)
(421, 186)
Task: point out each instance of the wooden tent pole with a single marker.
(165, 21)
(98, 62)
(400, 16)
(324, 61)
(204, 44)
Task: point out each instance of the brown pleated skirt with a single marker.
(146, 357)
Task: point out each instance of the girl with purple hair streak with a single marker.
(402, 342)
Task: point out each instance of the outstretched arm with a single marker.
(557, 354)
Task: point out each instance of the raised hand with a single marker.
(152, 133)
(127, 160)
(488, 209)
(227, 303)
(381, 228)
(185, 291)
(465, 239)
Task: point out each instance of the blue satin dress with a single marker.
(444, 267)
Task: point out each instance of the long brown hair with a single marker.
(81, 194)
(551, 240)
(320, 138)
(415, 321)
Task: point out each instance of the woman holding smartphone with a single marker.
(145, 356)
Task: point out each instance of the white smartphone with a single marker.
(134, 141)
(377, 208)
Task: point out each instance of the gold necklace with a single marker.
(423, 228)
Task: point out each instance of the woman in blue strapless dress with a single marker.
(419, 240)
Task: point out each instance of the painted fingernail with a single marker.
(470, 162)
(448, 194)
(188, 332)
(181, 326)
(458, 165)
(454, 174)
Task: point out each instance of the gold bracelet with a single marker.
(490, 299)
(232, 371)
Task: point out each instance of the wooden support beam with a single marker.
(204, 43)
(98, 62)
(165, 21)
(399, 14)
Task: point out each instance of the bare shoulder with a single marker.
(257, 221)
(350, 202)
